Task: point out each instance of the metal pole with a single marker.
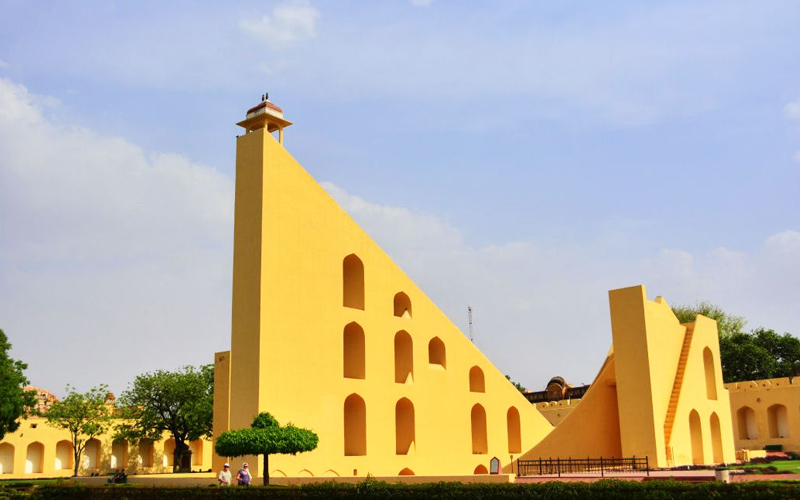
(602, 472)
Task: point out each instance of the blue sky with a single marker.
(522, 158)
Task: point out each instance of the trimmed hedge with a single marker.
(602, 490)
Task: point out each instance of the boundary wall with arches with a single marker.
(39, 450)
(766, 413)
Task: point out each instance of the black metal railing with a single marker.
(603, 465)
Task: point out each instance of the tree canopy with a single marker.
(727, 324)
(755, 355)
(14, 400)
(266, 437)
(84, 416)
(179, 402)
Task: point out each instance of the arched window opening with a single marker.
(404, 427)
(711, 378)
(476, 381)
(355, 426)
(437, 355)
(6, 458)
(402, 305)
(514, 431)
(354, 351)
(777, 421)
(481, 469)
(746, 422)
(716, 439)
(91, 454)
(168, 459)
(406, 472)
(146, 453)
(353, 282)
(63, 459)
(696, 432)
(119, 454)
(34, 458)
(403, 358)
(479, 441)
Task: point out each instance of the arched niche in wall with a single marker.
(402, 305)
(91, 454)
(405, 434)
(478, 426)
(6, 458)
(746, 423)
(63, 460)
(696, 434)
(403, 358)
(513, 428)
(354, 357)
(716, 438)
(476, 380)
(437, 353)
(355, 426)
(119, 453)
(480, 469)
(146, 453)
(711, 378)
(777, 421)
(353, 282)
(34, 458)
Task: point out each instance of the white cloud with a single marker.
(106, 251)
(792, 110)
(290, 22)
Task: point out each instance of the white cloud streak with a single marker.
(541, 308)
(110, 258)
(287, 23)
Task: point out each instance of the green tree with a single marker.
(759, 354)
(727, 324)
(742, 359)
(84, 416)
(179, 402)
(265, 437)
(518, 386)
(15, 402)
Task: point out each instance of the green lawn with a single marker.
(792, 466)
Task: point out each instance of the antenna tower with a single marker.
(469, 314)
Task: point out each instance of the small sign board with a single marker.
(494, 466)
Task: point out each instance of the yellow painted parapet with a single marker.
(765, 414)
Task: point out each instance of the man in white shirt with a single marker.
(225, 475)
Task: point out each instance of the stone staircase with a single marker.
(669, 422)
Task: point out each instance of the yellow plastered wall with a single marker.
(766, 413)
(703, 430)
(647, 340)
(591, 429)
(37, 450)
(287, 349)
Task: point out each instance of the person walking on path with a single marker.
(243, 476)
(224, 477)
